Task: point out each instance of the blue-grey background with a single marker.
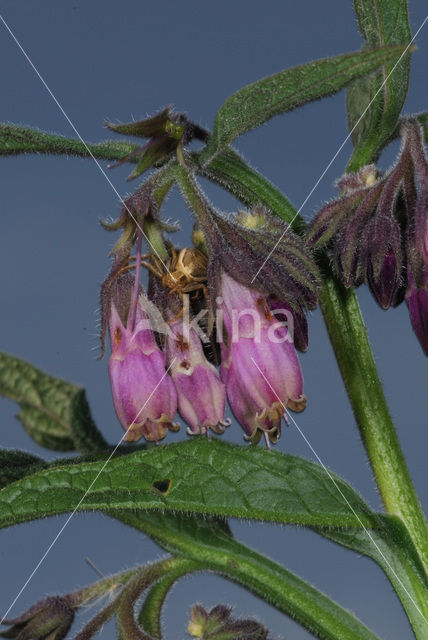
(124, 60)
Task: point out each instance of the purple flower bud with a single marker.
(144, 395)
(50, 618)
(417, 302)
(386, 286)
(259, 363)
(201, 394)
(384, 258)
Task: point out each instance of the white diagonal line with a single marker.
(43, 81)
(339, 150)
(42, 559)
(366, 531)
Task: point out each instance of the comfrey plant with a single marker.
(211, 331)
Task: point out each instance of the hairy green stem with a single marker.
(151, 610)
(127, 624)
(350, 342)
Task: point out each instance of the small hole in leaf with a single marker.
(163, 486)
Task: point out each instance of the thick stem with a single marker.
(349, 339)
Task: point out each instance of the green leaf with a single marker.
(54, 413)
(392, 548)
(382, 23)
(17, 464)
(196, 476)
(15, 139)
(209, 542)
(254, 104)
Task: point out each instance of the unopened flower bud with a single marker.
(51, 619)
(386, 286)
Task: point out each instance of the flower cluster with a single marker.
(377, 230)
(165, 360)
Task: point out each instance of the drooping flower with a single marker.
(259, 365)
(201, 394)
(144, 395)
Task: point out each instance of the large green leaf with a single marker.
(196, 476)
(15, 139)
(382, 22)
(54, 413)
(254, 104)
(209, 542)
(391, 547)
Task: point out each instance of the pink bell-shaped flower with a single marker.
(144, 395)
(200, 392)
(259, 363)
